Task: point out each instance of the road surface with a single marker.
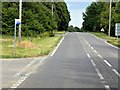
(80, 61)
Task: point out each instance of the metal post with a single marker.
(52, 15)
(15, 37)
(20, 16)
(110, 18)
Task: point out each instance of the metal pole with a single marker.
(20, 16)
(52, 15)
(15, 38)
(110, 18)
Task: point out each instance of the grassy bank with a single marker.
(38, 47)
(112, 40)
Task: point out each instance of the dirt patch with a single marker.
(25, 44)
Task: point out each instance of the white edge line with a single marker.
(106, 42)
(107, 63)
(57, 47)
(99, 74)
(111, 45)
(116, 72)
(95, 36)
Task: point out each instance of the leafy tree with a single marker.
(97, 17)
(36, 17)
(73, 29)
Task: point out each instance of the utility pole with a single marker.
(110, 18)
(20, 17)
(52, 16)
(52, 8)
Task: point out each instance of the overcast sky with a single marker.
(76, 8)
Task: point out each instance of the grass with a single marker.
(60, 32)
(38, 47)
(112, 40)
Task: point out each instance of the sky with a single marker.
(76, 8)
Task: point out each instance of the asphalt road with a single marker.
(12, 70)
(80, 61)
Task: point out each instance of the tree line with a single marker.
(96, 17)
(37, 18)
(71, 28)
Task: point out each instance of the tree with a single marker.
(36, 17)
(97, 17)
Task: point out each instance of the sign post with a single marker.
(17, 22)
(117, 30)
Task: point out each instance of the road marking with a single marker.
(92, 48)
(20, 80)
(57, 46)
(95, 36)
(84, 47)
(95, 51)
(88, 55)
(111, 45)
(89, 45)
(87, 42)
(106, 42)
(40, 63)
(30, 64)
(107, 63)
(100, 56)
(99, 74)
(107, 87)
(25, 68)
(17, 74)
(116, 72)
(93, 63)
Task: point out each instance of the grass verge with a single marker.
(112, 40)
(38, 47)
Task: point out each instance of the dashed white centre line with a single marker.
(89, 45)
(93, 63)
(92, 48)
(87, 42)
(99, 74)
(107, 63)
(116, 72)
(88, 55)
(100, 56)
(107, 87)
(95, 51)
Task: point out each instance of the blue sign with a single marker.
(17, 23)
